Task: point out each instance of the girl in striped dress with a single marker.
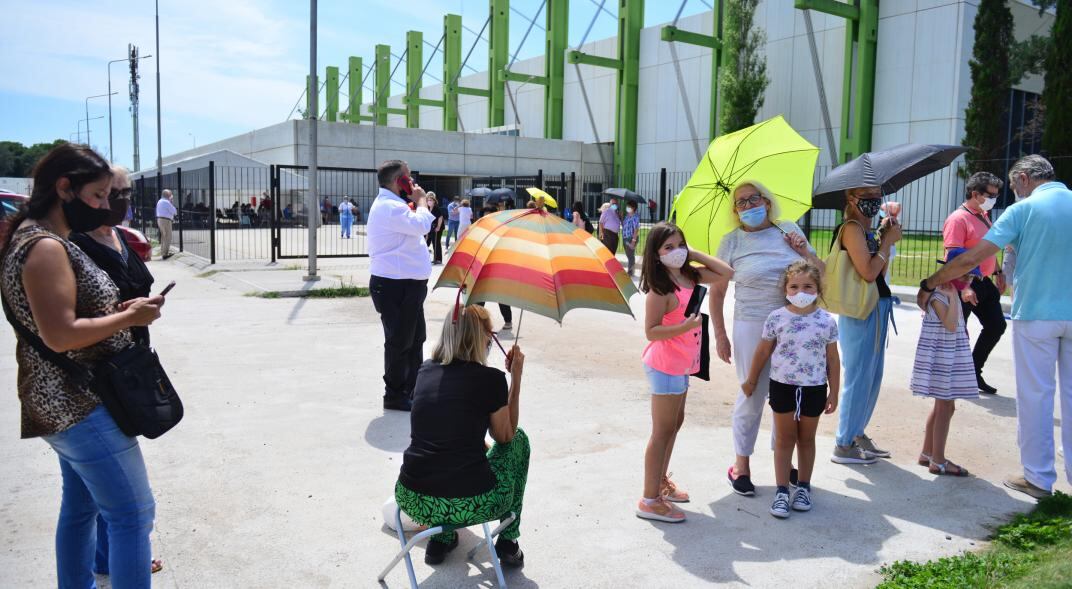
(943, 370)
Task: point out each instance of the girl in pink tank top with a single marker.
(672, 354)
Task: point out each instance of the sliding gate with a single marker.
(290, 231)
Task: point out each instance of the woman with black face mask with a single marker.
(863, 341)
(54, 291)
(106, 246)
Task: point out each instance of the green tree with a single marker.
(1057, 93)
(986, 120)
(743, 83)
(17, 160)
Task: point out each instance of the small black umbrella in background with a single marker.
(500, 194)
(625, 194)
(891, 169)
(478, 192)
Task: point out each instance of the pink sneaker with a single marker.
(662, 511)
(670, 491)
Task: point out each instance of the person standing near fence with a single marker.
(165, 217)
(399, 283)
(610, 225)
(965, 228)
(435, 235)
(452, 219)
(630, 235)
(346, 217)
(1041, 318)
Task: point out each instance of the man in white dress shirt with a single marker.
(165, 216)
(397, 223)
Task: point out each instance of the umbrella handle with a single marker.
(517, 334)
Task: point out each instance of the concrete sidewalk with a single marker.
(278, 472)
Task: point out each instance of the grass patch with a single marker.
(340, 292)
(1033, 550)
(208, 274)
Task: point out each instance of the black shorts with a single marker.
(783, 398)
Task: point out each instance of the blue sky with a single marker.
(226, 67)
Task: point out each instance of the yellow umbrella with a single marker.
(539, 194)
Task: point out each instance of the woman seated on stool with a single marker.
(448, 475)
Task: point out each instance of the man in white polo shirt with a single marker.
(397, 223)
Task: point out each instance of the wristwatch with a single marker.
(923, 286)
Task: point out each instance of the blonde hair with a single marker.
(432, 194)
(465, 339)
(465, 202)
(775, 212)
(803, 267)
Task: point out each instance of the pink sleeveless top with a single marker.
(680, 354)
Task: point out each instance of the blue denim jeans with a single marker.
(103, 473)
(863, 355)
(452, 231)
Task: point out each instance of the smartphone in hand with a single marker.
(167, 288)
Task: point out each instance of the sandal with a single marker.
(156, 566)
(943, 469)
(924, 459)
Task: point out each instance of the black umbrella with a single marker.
(891, 169)
(478, 192)
(500, 194)
(625, 194)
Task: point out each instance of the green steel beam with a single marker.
(452, 65)
(498, 57)
(426, 102)
(383, 84)
(858, 85)
(585, 59)
(554, 66)
(508, 76)
(356, 73)
(332, 107)
(483, 92)
(834, 7)
(397, 111)
(414, 66)
(674, 34)
(630, 25)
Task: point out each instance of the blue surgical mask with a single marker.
(753, 217)
(614, 207)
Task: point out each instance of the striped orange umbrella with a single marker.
(537, 261)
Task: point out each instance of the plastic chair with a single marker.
(489, 540)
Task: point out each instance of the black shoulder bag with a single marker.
(698, 294)
(131, 383)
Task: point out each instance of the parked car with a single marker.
(10, 203)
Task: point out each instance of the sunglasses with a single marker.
(120, 193)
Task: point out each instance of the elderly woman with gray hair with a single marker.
(758, 251)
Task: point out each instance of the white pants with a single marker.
(1041, 350)
(748, 411)
(165, 235)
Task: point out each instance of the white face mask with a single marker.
(676, 258)
(802, 300)
(988, 204)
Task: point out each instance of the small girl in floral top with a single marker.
(800, 340)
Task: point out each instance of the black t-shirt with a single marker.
(452, 407)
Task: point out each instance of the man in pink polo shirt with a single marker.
(964, 228)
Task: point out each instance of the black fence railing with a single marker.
(239, 213)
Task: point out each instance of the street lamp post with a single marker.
(86, 121)
(87, 113)
(111, 155)
(194, 138)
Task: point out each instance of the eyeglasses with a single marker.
(993, 194)
(120, 193)
(752, 200)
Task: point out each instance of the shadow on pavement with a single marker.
(851, 528)
(456, 571)
(996, 404)
(389, 431)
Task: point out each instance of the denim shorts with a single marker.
(666, 384)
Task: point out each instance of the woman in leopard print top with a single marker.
(55, 291)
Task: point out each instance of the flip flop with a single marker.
(157, 565)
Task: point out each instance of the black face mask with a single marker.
(869, 206)
(117, 211)
(82, 217)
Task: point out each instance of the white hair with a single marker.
(166, 193)
(775, 212)
(1035, 166)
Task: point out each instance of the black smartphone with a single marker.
(696, 300)
(167, 288)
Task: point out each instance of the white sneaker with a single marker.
(851, 455)
(802, 500)
(780, 507)
(868, 446)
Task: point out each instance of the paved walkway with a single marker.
(277, 474)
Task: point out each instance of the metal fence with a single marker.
(244, 213)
